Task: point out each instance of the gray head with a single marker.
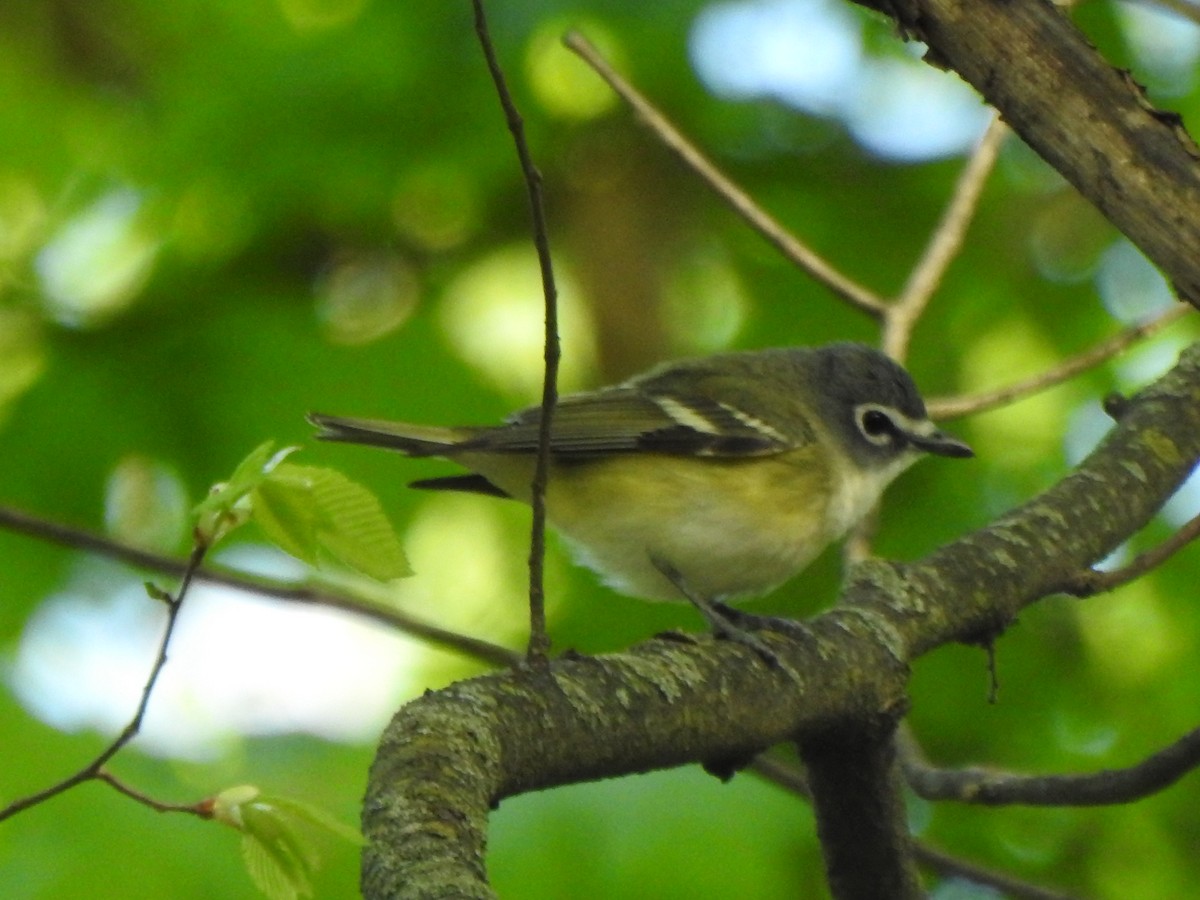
(874, 407)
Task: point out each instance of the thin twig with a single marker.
(204, 811)
(952, 866)
(81, 539)
(993, 788)
(903, 314)
(174, 604)
(1094, 581)
(787, 774)
(539, 640)
(944, 408)
(93, 769)
(759, 219)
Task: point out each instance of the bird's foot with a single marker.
(731, 624)
(747, 621)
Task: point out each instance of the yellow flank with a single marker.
(708, 526)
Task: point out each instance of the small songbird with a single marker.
(721, 476)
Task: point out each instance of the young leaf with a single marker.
(317, 818)
(227, 504)
(280, 857)
(285, 510)
(309, 509)
(272, 872)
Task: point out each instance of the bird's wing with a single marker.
(628, 419)
(689, 408)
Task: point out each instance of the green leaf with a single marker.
(228, 804)
(285, 510)
(227, 505)
(272, 872)
(280, 858)
(310, 509)
(317, 818)
(157, 593)
(275, 850)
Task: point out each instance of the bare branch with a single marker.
(202, 810)
(858, 798)
(81, 539)
(945, 408)
(539, 640)
(786, 774)
(952, 866)
(903, 314)
(1094, 581)
(759, 219)
(993, 788)
(1086, 117)
(93, 769)
(663, 702)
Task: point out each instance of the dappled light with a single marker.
(562, 84)
(1131, 288)
(93, 267)
(809, 55)
(491, 315)
(243, 667)
(219, 218)
(146, 504)
(364, 297)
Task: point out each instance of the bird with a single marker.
(711, 479)
(718, 478)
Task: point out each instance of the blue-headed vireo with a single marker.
(728, 473)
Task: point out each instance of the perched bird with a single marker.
(721, 476)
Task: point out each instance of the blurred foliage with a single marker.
(216, 216)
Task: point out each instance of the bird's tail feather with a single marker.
(413, 440)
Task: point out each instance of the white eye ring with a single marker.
(876, 424)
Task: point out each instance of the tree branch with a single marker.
(662, 703)
(449, 756)
(792, 249)
(855, 786)
(95, 769)
(945, 408)
(1014, 888)
(902, 315)
(539, 641)
(791, 776)
(1094, 581)
(81, 539)
(202, 810)
(1085, 117)
(992, 788)
(1032, 551)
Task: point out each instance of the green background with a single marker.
(321, 192)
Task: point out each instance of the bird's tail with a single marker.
(412, 440)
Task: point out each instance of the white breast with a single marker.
(856, 491)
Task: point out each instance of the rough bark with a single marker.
(1090, 120)
(449, 756)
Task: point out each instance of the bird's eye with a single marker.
(878, 427)
(876, 423)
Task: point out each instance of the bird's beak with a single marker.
(934, 441)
